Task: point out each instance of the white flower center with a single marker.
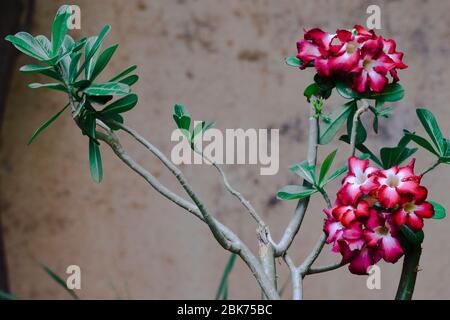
(392, 181)
(360, 178)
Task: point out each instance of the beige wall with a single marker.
(224, 61)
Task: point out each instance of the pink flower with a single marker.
(372, 67)
(355, 56)
(371, 206)
(412, 212)
(381, 233)
(361, 179)
(314, 47)
(396, 57)
(394, 182)
(347, 214)
(346, 54)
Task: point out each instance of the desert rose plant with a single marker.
(379, 210)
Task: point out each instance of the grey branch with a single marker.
(321, 269)
(226, 237)
(299, 213)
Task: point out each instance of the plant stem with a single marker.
(234, 243)
(299, 213)
(409, 273)
(358, 113)
(434, 165)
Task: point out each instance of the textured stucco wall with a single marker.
(224, 61)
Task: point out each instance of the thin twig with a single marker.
(233, 191)
(356, 117)
(321, 269)
(300, 210)
(234, 244)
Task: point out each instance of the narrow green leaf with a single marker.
(391, 92)
(293, 61)
(46, 124)
(304, 170)
(130, 80)
(346, 92)
(59, 281)
(52, 86)
(421, 141)
(102, 61)
(123, 73)
(336, 174)
(45, 70)
(59, 28)
(338, 119)
(439, 210)
(292, 192)
(122, 105)
(7, 296)
(95, 161)
(96, 45)
(27, 44)
(226, 273)
(432, 128)
(326, 166)
(106, 89)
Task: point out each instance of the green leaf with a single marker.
(122, 105)
(74, 65)
(338, 119)
(304, 170)
(181, 117)
(7, 296)
(336, 174)
(59, 28)
(415, 238)
(98, 42)
(46, 124)
(45, 70)
(421, 141)
(112, 117)
(439, 210)
(346, 92)
(326, 166)
(293, 61)
(52, 86)
(391, 92)
(123, 73)
(292, 192)
(27, 44)
(395, 156)
(432, 128)
(130, 80)
(223, 286)
(89, 64)
(95, 161)
(312, 90)
(101, 100)
(363, 149)
(59, 281)
(106, 89)
(102, 61)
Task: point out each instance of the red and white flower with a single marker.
(397, 181)
(381, 233)
(360, 180)
(358, 56)
(412, 212)
(372, 205)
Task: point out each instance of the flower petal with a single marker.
(388, 197)
(391, 248)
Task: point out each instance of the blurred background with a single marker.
(224, 60)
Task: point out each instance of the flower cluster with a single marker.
(358, 56)
(371, 206)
